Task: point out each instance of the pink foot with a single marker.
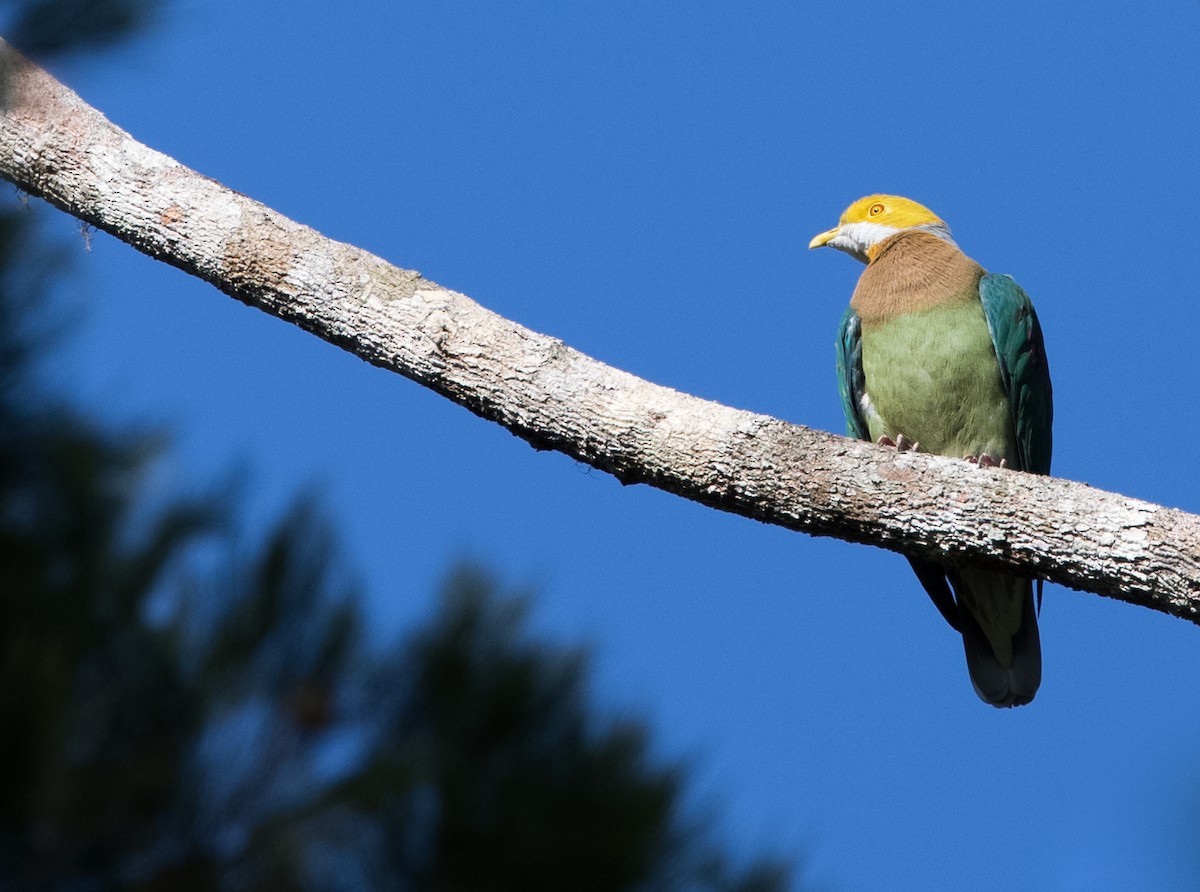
(986, 461)
(902, 443)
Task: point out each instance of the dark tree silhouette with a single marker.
(44, 28)
(249, 738)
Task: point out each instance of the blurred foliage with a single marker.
(176, 713)
(45, 28)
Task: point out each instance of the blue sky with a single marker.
(641, 180)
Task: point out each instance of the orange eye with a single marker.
(875, 210)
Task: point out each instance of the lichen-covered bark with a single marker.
(54, 145)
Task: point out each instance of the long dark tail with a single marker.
(1000, 635)
(995, 614)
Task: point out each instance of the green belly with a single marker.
(933, 377)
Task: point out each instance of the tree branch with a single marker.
(54, 145)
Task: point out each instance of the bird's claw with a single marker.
(984, 460)
(901, 443)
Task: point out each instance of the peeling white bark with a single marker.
(54, 145)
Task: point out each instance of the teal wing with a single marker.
(851, 381)
(1017, 337)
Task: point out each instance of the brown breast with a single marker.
(911, 271)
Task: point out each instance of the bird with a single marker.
(937, 355)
